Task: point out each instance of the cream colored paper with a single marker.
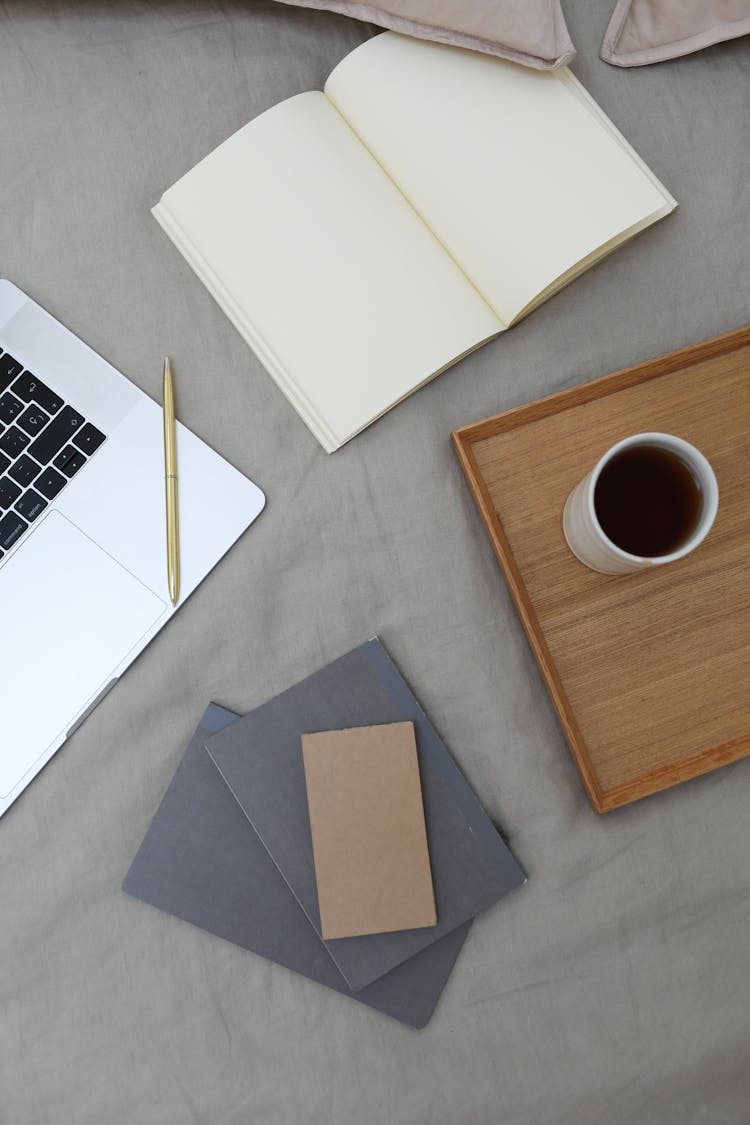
(518, 173)
(345, 294)
(363, 247)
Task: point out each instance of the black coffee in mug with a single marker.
(648, 501)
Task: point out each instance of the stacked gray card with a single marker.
(201, 861)
(260, 759)
(242, 868)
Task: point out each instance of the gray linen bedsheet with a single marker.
(614, 987)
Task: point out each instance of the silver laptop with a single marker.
(83, 581)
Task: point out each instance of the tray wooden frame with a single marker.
(649, 673)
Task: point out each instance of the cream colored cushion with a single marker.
(648, 31)
(531, 32)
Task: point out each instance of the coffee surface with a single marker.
(647, 501)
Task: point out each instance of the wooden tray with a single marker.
(650, 672)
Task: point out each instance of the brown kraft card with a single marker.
(372, 864)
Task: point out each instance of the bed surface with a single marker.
(614, 985)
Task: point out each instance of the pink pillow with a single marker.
(648, 31)
(531, 32)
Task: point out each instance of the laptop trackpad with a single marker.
(69, 615)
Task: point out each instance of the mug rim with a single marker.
(709, 486)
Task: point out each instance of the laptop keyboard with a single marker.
(44, 442)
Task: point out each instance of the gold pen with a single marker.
(170, 480)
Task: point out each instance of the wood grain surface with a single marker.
(649, 672)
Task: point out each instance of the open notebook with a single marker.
(365, 238)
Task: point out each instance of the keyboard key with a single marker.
(50, 483)
(33, 420)
(9, 407)
(57, 434)
(13, 441)
(24, 470)
(31, 389)
(69, 461)
(89, 439)
(9, 369)
(31, 505)
(12, 528)
(4, 462)
(9, 492)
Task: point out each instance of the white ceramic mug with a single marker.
(595, 549)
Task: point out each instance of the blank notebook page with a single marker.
(312, 250)
(514, 169)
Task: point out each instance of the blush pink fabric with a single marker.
(531, 32)
(649, 31)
